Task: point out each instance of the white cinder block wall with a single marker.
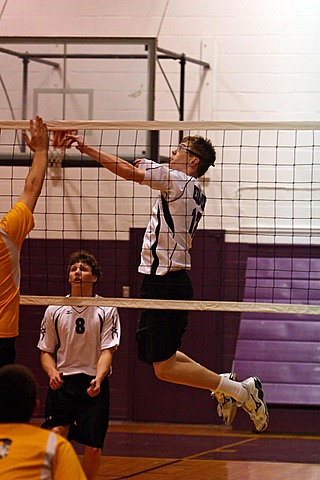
(264, 54)
(265, 66)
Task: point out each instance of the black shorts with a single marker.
(87, 416)
(159, 333)
(7, 351)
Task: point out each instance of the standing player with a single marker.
(165, 260)
(14, 227)
(27, 451)
(77, 346)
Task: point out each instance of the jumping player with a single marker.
(165, 260)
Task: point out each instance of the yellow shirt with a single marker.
(28, 452)
(14, 227)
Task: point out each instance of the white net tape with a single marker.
(173, 304)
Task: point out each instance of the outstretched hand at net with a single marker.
(71, 139)
(39, 140)
(113, 163)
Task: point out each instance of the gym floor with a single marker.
(181, 452)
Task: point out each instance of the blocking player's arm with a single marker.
(39, 144)
(114, 164)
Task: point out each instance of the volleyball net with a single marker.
(257, 248)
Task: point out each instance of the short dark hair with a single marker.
(204, 148)
(18, 395)
(85, 257)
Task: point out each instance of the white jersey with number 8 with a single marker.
(77, 335)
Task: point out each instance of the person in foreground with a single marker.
(165, 260)
(14, 227)
(77, 346)
(27, 451)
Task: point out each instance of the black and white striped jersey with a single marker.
(175, 217)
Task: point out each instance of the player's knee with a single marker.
(161, 370)
(93, 452)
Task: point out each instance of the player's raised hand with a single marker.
(78, 139)
(39, 139)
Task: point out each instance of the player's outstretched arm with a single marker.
(114, 164)
(38, 142)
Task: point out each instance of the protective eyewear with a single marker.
(184, 148)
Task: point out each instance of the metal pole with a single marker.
(24, 95)
(153, 136)
(25, 88)
(182, 89)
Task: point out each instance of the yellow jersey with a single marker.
(14, 227)
(28, 452)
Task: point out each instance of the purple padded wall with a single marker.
(283, 350)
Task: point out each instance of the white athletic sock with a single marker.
(232, 389)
